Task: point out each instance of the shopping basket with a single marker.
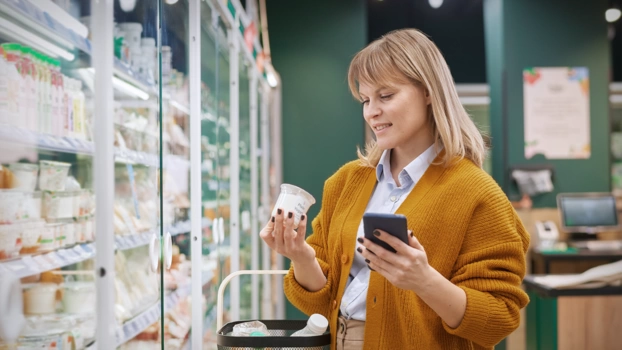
(279, 330)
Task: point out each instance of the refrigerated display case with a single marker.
(99, 217)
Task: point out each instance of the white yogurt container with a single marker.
(89, 229)
(25, 176)
(131, 33)
(65, 234)
(79, 297)
(48, 238)
(39, 298)
(53, 175)
(58, 205)
(33, 202)
(31, 236)
(293, 199)
(12, 205)
(10, 241)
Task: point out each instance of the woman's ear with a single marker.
(428, 99)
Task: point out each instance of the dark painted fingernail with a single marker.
(290, 215)
(279, 211)
(273, 219)
(367, 261)
(302, 217)
(370, 268)
(412, 234)
(376, 233)
(360, 239)
(359, 250)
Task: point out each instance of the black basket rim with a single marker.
(272, 341)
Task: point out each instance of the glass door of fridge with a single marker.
(47, 275)
(211, 110)
(140, 213)
(245, 192)
(56, 121)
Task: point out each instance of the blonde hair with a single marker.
(407, 55)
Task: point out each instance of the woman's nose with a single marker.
(371, 110)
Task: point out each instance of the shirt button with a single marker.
(393, 199)
(344, 259)
(334, 304)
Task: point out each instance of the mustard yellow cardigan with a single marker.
(471, 235)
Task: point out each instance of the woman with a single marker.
(456, 285)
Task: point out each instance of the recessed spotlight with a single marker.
(435, 3)
(612, 15)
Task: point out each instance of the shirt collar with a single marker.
(414, 169)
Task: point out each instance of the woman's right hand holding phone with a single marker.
(280, 235)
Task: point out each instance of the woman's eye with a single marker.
(386, 97)
(364, 102)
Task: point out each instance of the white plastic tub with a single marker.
(10, 241)
(11, 206)
(33, 202)
(32, 233)
(40, 298)
(25, 176)
(58, 205)
(79, 297)
(53, 175)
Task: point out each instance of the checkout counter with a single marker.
(581, 309)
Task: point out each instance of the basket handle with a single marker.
(223, 286)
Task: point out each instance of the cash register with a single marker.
(585, 214)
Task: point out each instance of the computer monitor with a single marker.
(588, 212)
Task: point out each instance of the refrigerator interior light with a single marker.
(17, 33)
(124, 87)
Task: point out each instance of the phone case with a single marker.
(394, 224)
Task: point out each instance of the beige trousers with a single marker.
(350, 334)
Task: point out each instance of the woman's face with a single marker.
(398, 115)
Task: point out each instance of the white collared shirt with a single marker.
(387, 197)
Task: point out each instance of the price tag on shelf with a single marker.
(30, 263)
(55, 259)
(44, 264)
(69, 255)
(80, 252)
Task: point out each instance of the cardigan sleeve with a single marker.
(319, 301)
(490, 269)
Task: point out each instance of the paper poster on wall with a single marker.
(557, 112)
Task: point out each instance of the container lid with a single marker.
(79, 286)
(11, 47)
(148, 42)
(43, 287)
(53, 163)
(24, 166)
(317, 323)
(131, 26)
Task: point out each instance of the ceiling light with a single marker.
(17, 33)
(435, 3)
(128, 5)
(171, 2)
(612, 15)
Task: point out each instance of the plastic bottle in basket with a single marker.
(316, 325)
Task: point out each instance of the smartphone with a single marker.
(394, 224)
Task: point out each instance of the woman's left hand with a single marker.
(408, 268)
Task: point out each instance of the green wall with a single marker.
(530, 33)
(312, 43)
